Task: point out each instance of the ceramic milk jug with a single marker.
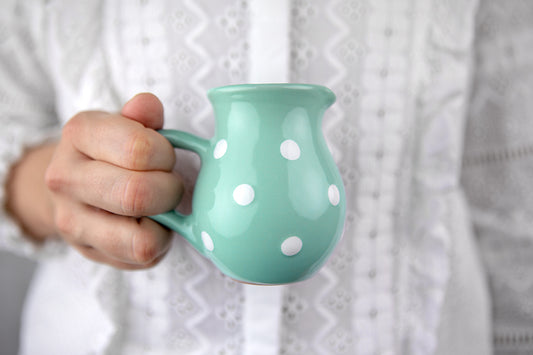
(268, 205)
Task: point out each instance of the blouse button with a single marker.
(373, 313)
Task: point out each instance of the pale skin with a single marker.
(93, 186)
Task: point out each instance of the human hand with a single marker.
(107, 171)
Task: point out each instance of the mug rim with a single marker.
(269, 87)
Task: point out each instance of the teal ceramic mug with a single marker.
(269, 204)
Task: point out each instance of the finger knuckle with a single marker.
(139, 151)
(73, 126)
(54, 178)
(64, 222)
(136, 195)
(145, 248)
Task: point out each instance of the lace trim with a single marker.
(515, 340)
(511, 153)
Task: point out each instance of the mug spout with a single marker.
(328, 97)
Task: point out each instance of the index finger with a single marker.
(119, 141)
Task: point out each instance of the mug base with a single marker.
(265, 284)
(256, 283)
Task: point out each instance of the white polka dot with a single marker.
(220, 149)
(208, 242)
(291, 246)
(243, 194)
(290, 149)
(334, 195)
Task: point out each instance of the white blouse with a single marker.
(406, 277)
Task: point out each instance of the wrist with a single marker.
(28, 199)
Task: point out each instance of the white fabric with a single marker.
(262, 315)
(268, 46)
(268, 41)
(498, 167)
(402, 73)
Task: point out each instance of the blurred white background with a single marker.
(15, 275)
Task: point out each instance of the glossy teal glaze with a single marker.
(268, 143)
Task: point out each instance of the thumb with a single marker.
(146, 109)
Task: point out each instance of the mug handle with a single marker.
(183, 224)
